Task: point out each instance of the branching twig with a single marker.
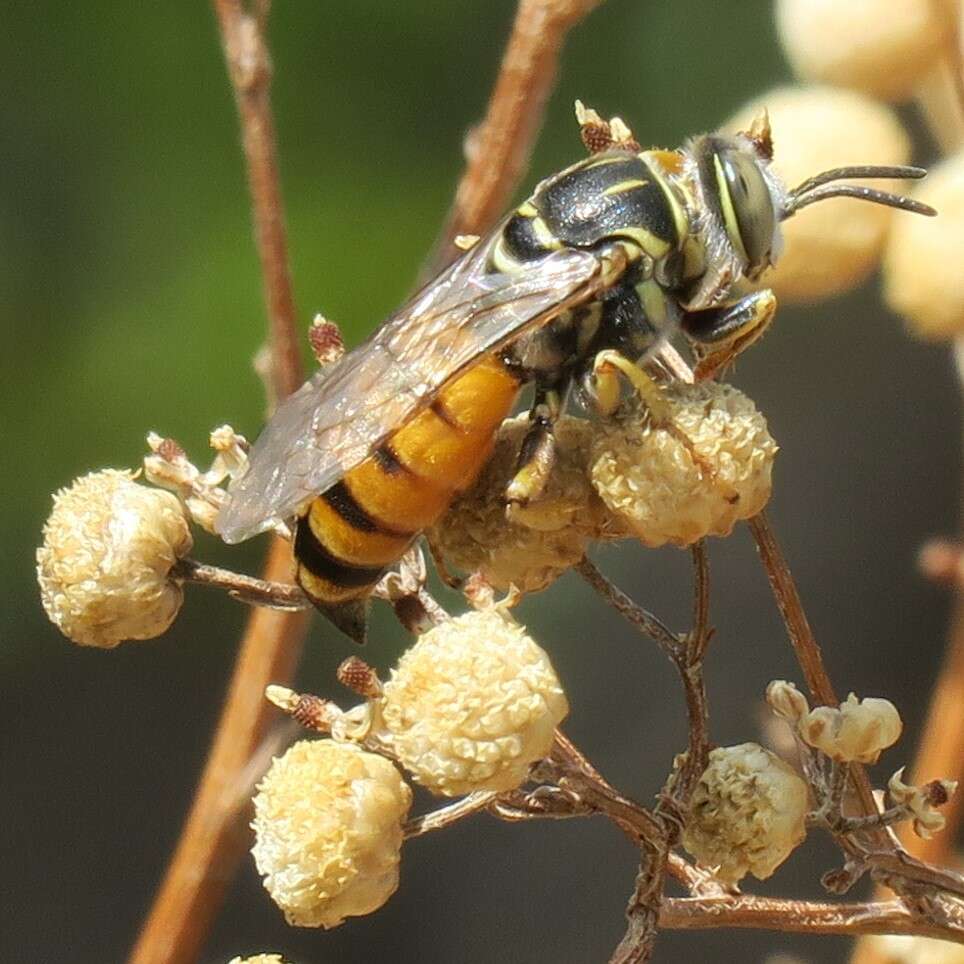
(648, 624)
(769, 913)
(499, 149)
(804, 643)
(445, 816)
(246, 589)
(214, 837)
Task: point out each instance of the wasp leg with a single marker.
(719, 334)
(537, 454)
(607, 366)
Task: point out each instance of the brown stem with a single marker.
(446, 816)
(642, 619)
(249, 67)
(880, 917)
(247, 589)
(214, 835)
(499, 149)
(803, 641)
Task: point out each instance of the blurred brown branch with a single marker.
(498, 150)
(215, 836)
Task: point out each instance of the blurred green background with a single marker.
(132, 302)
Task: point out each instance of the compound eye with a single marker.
(751, 206)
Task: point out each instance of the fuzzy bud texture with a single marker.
(880, 47)
(832, 245)
(697, 476)
(856, 732)
(104, 565)
(748, 813)
(894, 949)
(525, 546)
(471, 706)
(922, 276)
(328, 831)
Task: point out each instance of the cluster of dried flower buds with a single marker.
(693, 472)
(469, 708)
(858, 731)
(201, 493)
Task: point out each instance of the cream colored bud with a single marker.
(832, 245)
(880, 47)
(922, 802)
(709, 467)
(895, 949)
(922, 276)
(104, 566)
(856, 732)
(787, 701)
(259, 959)
(748, 813)
(525, 546)
(471, 706)
(328, 831)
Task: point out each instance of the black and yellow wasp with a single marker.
(588, 276)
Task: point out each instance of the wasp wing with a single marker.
(334, 421)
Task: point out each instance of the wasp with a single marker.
(582, 282)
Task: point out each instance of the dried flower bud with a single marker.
(922, 277)
(104, 566)
(787, 701)
(328, 831)
(697, 476)
(471, 706)
(259, 959)
(894, 949)
(832, 246)
(880, 47)
(856, 732)
(922, 802)
(525, 546)
(748, 813)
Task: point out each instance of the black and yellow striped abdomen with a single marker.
(361, 525)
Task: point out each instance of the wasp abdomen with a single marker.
(353, 531)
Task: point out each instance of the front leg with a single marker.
(719, 334)
(537, 454)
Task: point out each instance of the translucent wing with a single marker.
(334, 420)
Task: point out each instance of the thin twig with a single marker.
(499, 149)
(889, 863)
(214, 835)
(769, 913)
(247, 589)
(249, 67)
(642, 619)
(803, 641)
(446, 816)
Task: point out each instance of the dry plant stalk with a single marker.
(498, 150)
(214, 836)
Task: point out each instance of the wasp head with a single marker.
(741, 201)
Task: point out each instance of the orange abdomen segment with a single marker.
(364, 523)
